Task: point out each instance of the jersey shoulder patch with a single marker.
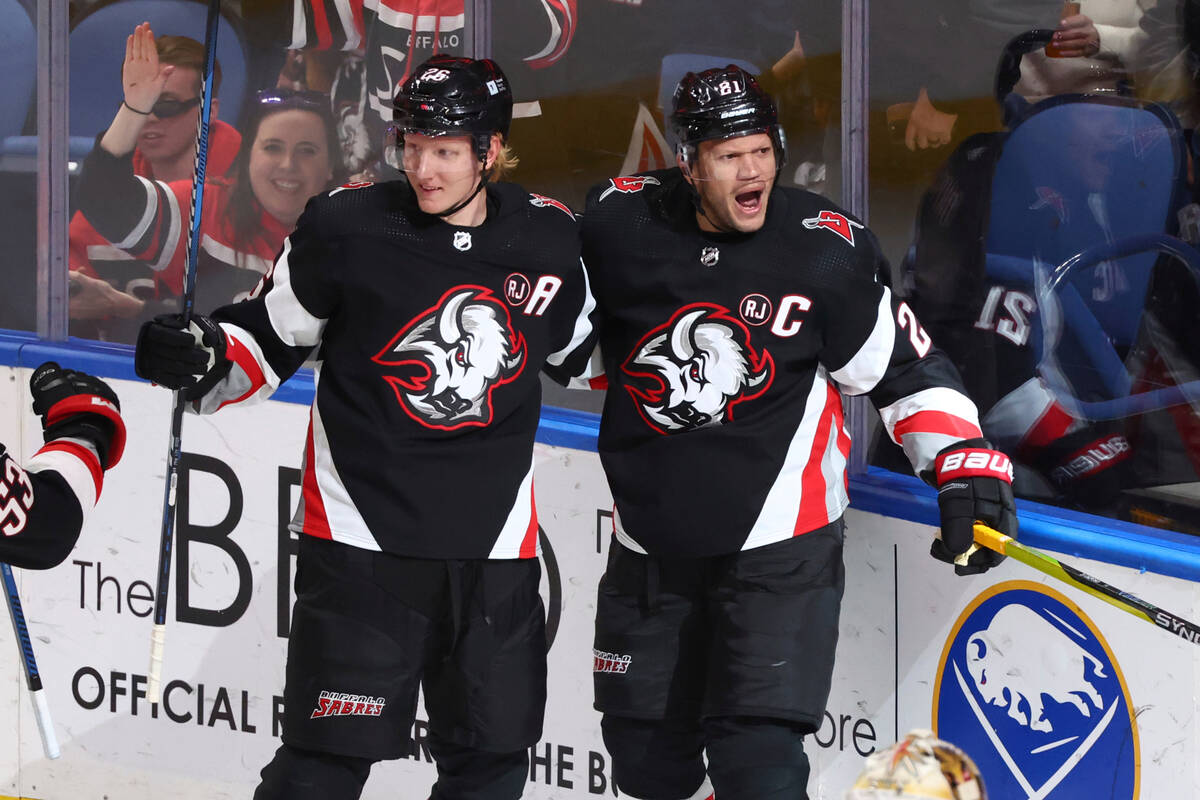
(626, 184)
(542, 201)
(350, 186)
(835, 222)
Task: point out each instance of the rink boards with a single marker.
(1055, 693)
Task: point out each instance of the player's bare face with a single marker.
(443, 170)
(289, 163)
(734, 178)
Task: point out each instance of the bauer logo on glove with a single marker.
(974, 482)
(971, 463)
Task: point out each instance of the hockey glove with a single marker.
(77, 405)
(191, 360)
(1089, 467)
(974, 482)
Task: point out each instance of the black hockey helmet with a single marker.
(720, 103)
(452, 95)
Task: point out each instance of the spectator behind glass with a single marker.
(288, 154)
(106, 284)
(1093, 44)
(1167, 58)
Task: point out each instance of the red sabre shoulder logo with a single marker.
(452, 356)
(340, 704)
(1048, 197)
(840, 224)
(352, 185)
(541, 201)
(629, 184)
(691, 371)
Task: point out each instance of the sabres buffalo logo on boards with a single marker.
(1029, 687)
(628, 184)
(448, 361)
(693, 370)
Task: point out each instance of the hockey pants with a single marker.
(463, 774)
(749, 758)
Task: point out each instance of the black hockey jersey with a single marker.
(727, 356)
(429, 338)
(43, 505)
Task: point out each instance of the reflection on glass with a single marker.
(1049, 255)
(18, 165)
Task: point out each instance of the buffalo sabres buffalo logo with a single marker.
(451, 358)
(692, 371)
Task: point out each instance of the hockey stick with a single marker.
(1006, 545)
(33, 678)
(175, 447)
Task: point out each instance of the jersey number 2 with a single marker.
(916, 334)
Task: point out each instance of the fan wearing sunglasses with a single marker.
(289, 153)
(106, 284)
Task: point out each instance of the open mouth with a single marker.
(749, 202)
(286, 186)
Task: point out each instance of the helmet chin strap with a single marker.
(698, 202)
(483, 179)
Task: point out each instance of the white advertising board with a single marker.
(1054, 692)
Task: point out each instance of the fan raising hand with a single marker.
(142, 77)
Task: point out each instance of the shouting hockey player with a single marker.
(43, 506)
(430, 306)
(734, 317)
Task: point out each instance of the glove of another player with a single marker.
(191, 360)
(1089, 466)
(974, 482)
(77, 405)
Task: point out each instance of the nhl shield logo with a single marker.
(1029, 687)
(709, 256)
(462, 240)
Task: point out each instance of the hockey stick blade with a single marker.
(175, 448)
(33, 679)
(1006, 545)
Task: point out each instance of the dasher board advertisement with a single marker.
(1054, 693)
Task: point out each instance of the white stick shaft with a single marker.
(41, 711)
(154, 684)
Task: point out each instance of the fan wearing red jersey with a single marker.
(44, 505)
(430, 306)
(734, 316)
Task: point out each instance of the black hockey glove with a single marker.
(1088, 467)
(77, 405)
(974, 482)
(191, 360)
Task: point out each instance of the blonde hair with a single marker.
(506, 161)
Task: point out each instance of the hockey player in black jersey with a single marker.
(430, 306)
(734, 316)
(43, 506)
